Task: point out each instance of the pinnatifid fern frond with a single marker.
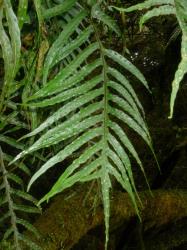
(95, 103)
(168, 7)
(11, 189)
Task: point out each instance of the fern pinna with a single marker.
(95, 101)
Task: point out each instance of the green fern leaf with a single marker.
(56, 84)
(83, 139)
(38, 7)
(28, 226)
(123, 80)
(7, 200)
(64, 111)
(146, 5)
(11, 142)
(95, 103)
(181, 8)
(131, 123)
(15, 178)
(122, 160)
(64, 178)
(162, 10)
(20, 165)
(6, 51)
(66, 95)
(22, 12)
(104, 18)
(24, 195)
(127, 144)
(58, 134)
(66, 83)
(12, 119)
(124, 93)
(73, 45)
(127, 65)
(124, 105)
(14, 32)
(26, 209)
(58, 9)
(62, 39)
(84, 173)
(126, 185)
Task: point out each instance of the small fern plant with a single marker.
(94, 103)
(168, 7)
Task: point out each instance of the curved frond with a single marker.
(155, 12)
(181, 9)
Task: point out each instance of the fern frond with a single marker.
(60, 41)
(27, 226)
(105, 19)
(14, 32)
(95, 104)
(22, 12)
(7, 54)
(181, 9)
(16, 179)
(8, 201)
(146, 5)
(38, 7)
(59, 9)
(155, 12)
(18, 165)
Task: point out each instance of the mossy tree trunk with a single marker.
(68, 219)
